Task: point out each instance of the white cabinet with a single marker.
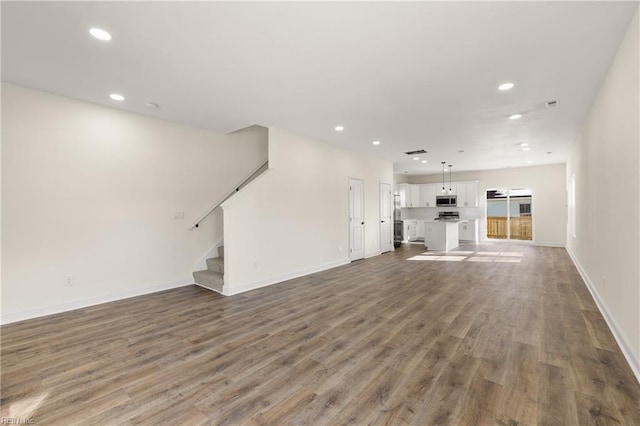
(467, 193)
(404, 189)
(415, 196)
(409, 195)
(468, 230)
(441, 235)
(428, 194)
(463, 230)
(420, 229)
(424, 195)
(409, 229)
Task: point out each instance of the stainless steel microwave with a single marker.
(446, 201)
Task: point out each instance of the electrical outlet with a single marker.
(68, 281)
(255, 266)
(339, 248)
(604, 282)
(178, 215)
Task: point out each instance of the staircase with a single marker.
(212, 277)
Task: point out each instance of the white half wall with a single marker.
(549, 203)
(294, 220)
(605, 161)
(89, 192)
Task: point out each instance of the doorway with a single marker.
(509, 214)
(385, 217)
(356, 219)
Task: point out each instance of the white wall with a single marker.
(90, 192)
(294, 220)
(549, 201)
(605, 161)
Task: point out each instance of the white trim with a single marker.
(561, 245)
(374, 254)
(364, 226)
(212, 252)
(210, 289)
(522, 242)
(285, 277)
(8, 318)
(507, 241)
(391, 219)
(615, 330)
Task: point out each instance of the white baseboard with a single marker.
(549, 245)
(212, 252)
(633, 362)
(378, 253)
(285, 277)
(210, 289)
(7, 318)
(523, 242)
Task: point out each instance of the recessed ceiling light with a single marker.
(526, 148)
(116, 97)
(100, 34)
(529, 162)
(423, 161)
(339, 128)
(524, 144)
(376, 142)
(151, 105)
(416, 158)
(515, 116)
(505, 86)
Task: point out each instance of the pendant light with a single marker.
(443, 190)
(450, 190)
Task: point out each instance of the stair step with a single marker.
(216, 264)
(221, 251)
(210, 279)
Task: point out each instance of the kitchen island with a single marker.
(441, 235)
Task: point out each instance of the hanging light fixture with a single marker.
(450, 190)
(443, 190)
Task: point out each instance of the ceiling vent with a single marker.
(551, 104)
(420, 151)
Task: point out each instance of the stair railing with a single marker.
(236, 188)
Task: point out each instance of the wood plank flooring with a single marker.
(493, 335)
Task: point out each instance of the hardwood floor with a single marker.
(507, 336)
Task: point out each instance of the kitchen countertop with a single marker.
(437, 221)
(444, 221)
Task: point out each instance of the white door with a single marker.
(356, 219)
(385, 217)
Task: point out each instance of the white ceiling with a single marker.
(412, 75)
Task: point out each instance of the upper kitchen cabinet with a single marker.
(415, 196)
(424, 195)
(409, 195)
(404, 189)
(428, 194)
(467, 193)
